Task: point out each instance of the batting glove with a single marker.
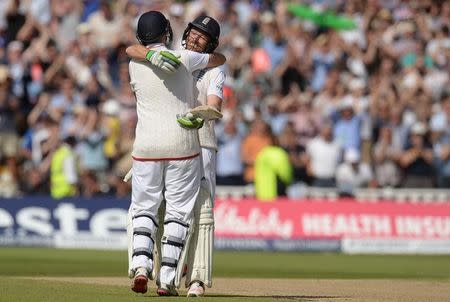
(190, 121)
(165, 60)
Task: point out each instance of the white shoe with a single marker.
(166, 290)
(139, 284)
(196, 289)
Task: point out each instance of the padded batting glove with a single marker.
(190, 121)
(165, 60)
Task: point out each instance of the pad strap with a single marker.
(177, 221)
(148, 216)
(144, 232)
(178, 242)
(139, 252)
(169, 262)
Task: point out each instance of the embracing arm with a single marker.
(163, 59)
(137, 52)
(216, 59)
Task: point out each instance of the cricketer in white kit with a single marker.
(202, 35)
(166, 164)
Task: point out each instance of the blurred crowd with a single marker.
(367, 107)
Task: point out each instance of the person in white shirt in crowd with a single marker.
(166, 162)
(324, 155)
(352, 174)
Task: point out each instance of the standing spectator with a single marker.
(274, 44)
(260, 135)
(230, 170)
(386, 158)
(106, 25)
(440, 134)
(297, 153)
(323, 60)
(347, 130)
(63, 170)
(324, 156)
(352, 174)
(273, 172)
(417, 159)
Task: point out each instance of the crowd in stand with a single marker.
(368, 107)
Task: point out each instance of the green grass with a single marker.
(22, 290)
(56, 262)
(16, 262)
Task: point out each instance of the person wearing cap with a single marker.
(202, 36)
(166, 162)
(416, 161)
(352, 174)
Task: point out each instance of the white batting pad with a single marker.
(202, 242)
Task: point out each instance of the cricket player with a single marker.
(166, 162)
(202, 35)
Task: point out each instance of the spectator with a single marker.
(440, 137)
(260, 135)
(347, 129)
(386, 159)
(296, 152)
(63, 175)
(352, 174)
(230, 170)
(324, 156)
(417, 159)
(273, 172)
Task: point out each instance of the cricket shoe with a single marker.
(139, 284)
(166, 290)
(196, 289)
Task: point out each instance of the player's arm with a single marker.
(163, 59)
(210, 111)
(215, 90)
(137, 52)
(216, 59)
(198, 60)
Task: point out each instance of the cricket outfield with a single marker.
(36, 274)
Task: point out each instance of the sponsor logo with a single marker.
(255, 223)
(65, 220)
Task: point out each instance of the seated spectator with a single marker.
(417, 159)
(386, 157)
(352, 174)
(230, 170)
(324, 156)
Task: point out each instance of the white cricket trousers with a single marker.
(176, 181)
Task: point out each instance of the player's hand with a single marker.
(165, 60)
(190, 121)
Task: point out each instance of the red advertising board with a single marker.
(331, 220)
